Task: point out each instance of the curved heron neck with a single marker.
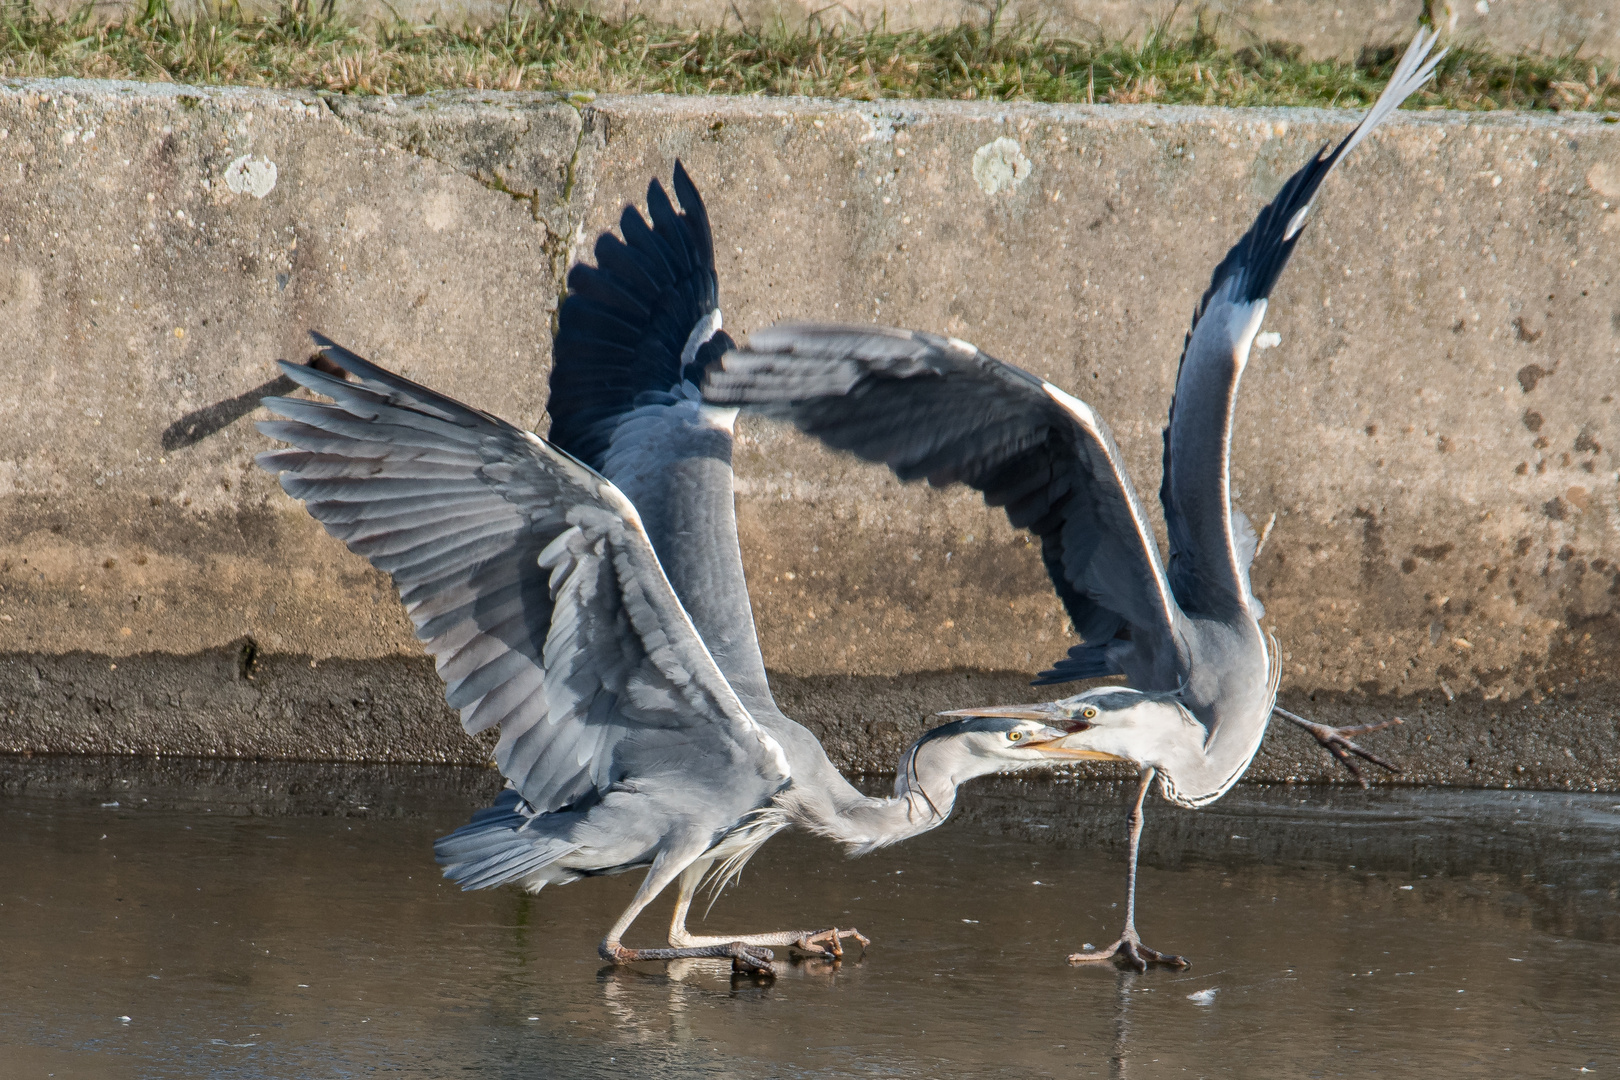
(925, 785)
(1196, 768)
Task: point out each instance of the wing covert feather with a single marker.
(528, 578)
(939, 409)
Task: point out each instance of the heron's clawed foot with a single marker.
(751, 959)
(828, 944)
(1337, 742)
(1129, 952)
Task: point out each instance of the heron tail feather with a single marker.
(499, 845)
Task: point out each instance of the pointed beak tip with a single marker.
(1005, 712)
(1052, 747)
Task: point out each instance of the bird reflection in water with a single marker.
(642, 1016)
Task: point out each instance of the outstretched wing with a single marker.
(938, 408)
(1211, 545)
(529, 579)
(642, 321)
(632, 338)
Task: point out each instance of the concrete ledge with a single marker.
(1435, 433)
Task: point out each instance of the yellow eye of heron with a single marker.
(1089, 714)
(1015, 735)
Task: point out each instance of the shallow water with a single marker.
(287, 921)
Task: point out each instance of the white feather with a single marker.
(706, 328)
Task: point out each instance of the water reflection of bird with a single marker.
(1202, 683)
(586, 594)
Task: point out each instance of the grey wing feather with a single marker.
(939, 409)
(673, 461)
(633, 334)
(528, 578)
(1209, 567)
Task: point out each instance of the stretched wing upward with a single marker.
(633, 336)
(938, 408)
(643, 320)
(1211, 545)
(529, 579)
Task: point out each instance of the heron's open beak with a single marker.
(1051, 741)
(1045, 712)
(1055, 748)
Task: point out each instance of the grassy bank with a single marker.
(542, 47)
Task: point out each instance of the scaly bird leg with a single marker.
(744, 957)
(1336, 741)
(1129, 949)
(826, 944)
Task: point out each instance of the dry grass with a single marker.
(546, 47)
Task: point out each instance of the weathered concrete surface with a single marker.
(1434, 434)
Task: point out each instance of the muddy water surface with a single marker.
(288, 921)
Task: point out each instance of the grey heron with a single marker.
(1201, 682)
(586, 595)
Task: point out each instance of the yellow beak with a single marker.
(1056, 749)
(1044, 712)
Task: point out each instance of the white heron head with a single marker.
(980, 745)
(1108, 723)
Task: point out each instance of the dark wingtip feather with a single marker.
(1085, 661)
(1259, 257)
(697, 215)
(624, 325)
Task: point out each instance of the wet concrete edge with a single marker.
(236, 703)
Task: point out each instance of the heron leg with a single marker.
(1129, 948)
(744, 957)
(1337, 742)
(827, 943)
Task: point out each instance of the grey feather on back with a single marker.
(529, 580)
(675, 466)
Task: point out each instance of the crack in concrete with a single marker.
(560, 246)
(559, 243)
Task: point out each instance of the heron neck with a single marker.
(1198, 770)
(925, 788)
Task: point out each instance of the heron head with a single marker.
(997, 743)
(1108, 723)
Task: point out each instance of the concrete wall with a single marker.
(1322, 28)
(1436, 433)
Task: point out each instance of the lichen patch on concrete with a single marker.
(1000, 166)
(248, 175)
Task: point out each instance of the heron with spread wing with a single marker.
(1201, 682)
(585, 594)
